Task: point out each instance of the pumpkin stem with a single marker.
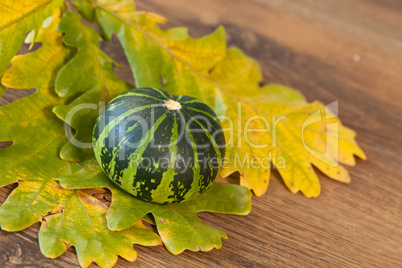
(172, 105)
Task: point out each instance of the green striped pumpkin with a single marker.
(159, 147)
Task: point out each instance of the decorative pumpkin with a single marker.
(159, 147)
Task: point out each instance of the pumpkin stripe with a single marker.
(206, 153)
(184, 172)
(129, 175)
(210, 137)
(196, 168)
(201, 111)
(193, 101)
(126, 101)
(106, 129)
(116, 150)
(165, 188)
(130, 94)
(179, 98)
(162, 93)
(113, 106)
(133, 140)
(205, 185)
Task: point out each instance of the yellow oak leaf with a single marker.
(269, 124)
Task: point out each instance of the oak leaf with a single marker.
(88, 75)
(16, 19)
(36, 135)
(33, 162)
(177, 224)
(83, 225)
(271, 123)
(72, 217)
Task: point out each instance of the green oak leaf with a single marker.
(16, 19)
(44, 63)
(262, 125)
(88, 75)
(177, 224)
(33, 162)
(83, 225)
(37, 136)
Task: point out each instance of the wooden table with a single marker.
(346, 50)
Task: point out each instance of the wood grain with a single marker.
(309, 45)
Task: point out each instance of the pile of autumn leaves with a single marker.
(69, 70)
(37, 162)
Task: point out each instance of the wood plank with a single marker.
(364, 21)
(309, 45)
